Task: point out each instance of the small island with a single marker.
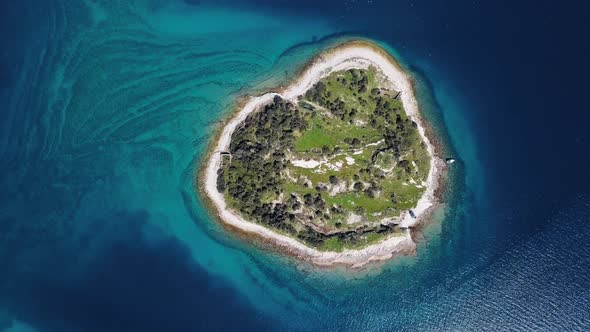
(335, 169)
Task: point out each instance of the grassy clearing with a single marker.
(325, 131)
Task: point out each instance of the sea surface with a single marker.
(107, 108)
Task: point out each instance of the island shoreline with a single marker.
(347, 54)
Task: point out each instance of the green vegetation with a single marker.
(334, 169)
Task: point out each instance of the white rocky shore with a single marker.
(347, 56)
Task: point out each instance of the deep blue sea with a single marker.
(107, 107)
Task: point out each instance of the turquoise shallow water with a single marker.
(110, 108)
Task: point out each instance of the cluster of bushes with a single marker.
(359, 80)
(254, 174)
(320, 95)
(347, 238)
(399, 134)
